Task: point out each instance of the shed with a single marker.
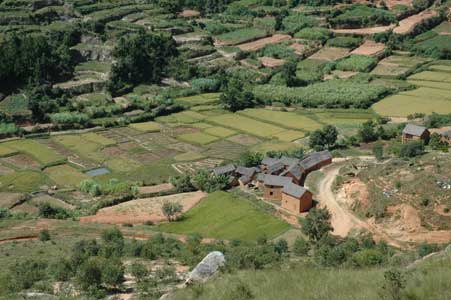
(224, 170)
(415, 132)
(296, 198)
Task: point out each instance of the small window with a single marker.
(271, 193)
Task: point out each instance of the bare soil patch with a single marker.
(356, 193)
(9, 200)
(142, 210)
(261, 43)
(441, 210)
(365, 31)
(155, 188)
(270, 62)
(5, 170)
(192, 167)
(339, 74)
(189, 13)
(408, 24)
(22, 161)
(330, 53)
(370, 48)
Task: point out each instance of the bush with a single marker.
(367, 258)
(356, 63)
(411, 149)
(344, 42)
(66, 119)
(359, 15)
(314, 34)
(44, 235)
(301, 247)
(205, 85)
(48, 211)
(297, 21)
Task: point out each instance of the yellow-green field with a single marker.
(201, 99)
(285, 119)
(146, 126)
(404, 105)
(246, 124)
(184, 117)
(432, 76)
(40, 152)
(198, 138)
(65, 175)
(290, 135)
(219, 131)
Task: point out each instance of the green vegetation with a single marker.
(198, 138)
(146, 126)
(222, 215)
(240, 36)
(356, 63)
(344, 42)
(40, 152)
(315, 34)
(360, 15)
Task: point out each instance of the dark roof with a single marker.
(276, 180)
(275, 167)
(222, 170)
(246, 171)
(413, 129)
(296, 171)
(269, 161)
(289, 161)
(294, 190)
(314, 159)
(245, 179)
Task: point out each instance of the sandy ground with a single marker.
(370, 48)
(143, 210)
(402, 226)
(261, 43)
(408, 24)
(155, 188)
(271, 62)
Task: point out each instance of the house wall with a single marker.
(408, 137)
(272, 192)
(296, 181)
(297, 205)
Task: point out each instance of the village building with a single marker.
(273, 186)
(314, 161)
(295, 172)
(414, 132)
(227, 170)
(247, 175)
(296, 198)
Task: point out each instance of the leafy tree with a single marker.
(426, 249)
(411, 149)
(367, 132)
(140, 58)
(139, 271)
(89, 274)
(393, 285)
(235, 97)
(113, 243)
(317, 224)
(112, 272)
(436, 143)
(44, 235)
(183, 184)
(378, 151)
(171, 209)
(250, 159)
(289, 73)
(281, 246)
(325, 137)
(301, 246)
(48, 211)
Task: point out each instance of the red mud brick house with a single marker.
(295, 198)
(314, 161)
(414, 132)
(273, 186)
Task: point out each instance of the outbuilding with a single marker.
(296, 198)
(414, 132)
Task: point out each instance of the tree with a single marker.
(289, 73)
(235, 97)
(250, 159)
(301, 246)
(140, 58)
(317, 223)
(171, 209)
(436, 143)
(325, 137)
(89, 275)
(367, 132)
(393, 285)
(411, 149)
(281, 246)
(378, 151)
(183, 184)
(113, 243)
(112, 272)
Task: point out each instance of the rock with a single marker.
(207, 267)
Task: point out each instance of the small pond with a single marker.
(98, 171)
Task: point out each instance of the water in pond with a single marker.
(98, 171)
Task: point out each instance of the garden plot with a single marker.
(198, 138)
(193, 167)
(65, 175)
(83, 147)
(43, 154)
(146, 126)
(70, 155)
(224, 150)
(443, 28)
(202, 99)
(219, 131)
(9, 200)
(26, 181)
(239, 36)
(440, 68)
(397, 65)
(270, 62)
(247, 125)
(261, 43)
(365, 31)
(432, 76)
(286, 119)
(244, 139)
(407, 25)
(290, 135)
(343, 117)
(188, 156)
(404, 105)
(22, 162)
(370, 48)
(330, 53)
(142, 210)
(184, 117)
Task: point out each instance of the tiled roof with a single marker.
(294, 190)
(289, 161)
(414, 130)
(275, 167)
(296, 171)
(276, 180)
(222, 170)
(246, 171)
(245, 179)
(314, 159)
(269, 161)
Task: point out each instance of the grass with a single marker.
(429, 93)
(23, 181)
(290, 135)
(440, 68)
(432, 76)
(184, 117)
(6, 151)
(40, 152)
(94, 66)
(225, 216)
(146, 126)
(198, 138)
(99, 139)
(188, 156)
(65, 175)
(285, 119)
(431, 84)
(404, 105)
(201, 99)
(122, 164)
(82, 146)
(246, 124)
(274, 145)
(219, 131)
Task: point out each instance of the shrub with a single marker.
(66, 119)
(367, 258)
(426, 249)
(314, 34)
(205, 84)
(411, 149)
(297, 21)
(46, 210)
(356, 63)
(44, 235)
(359, 15)
(344, 42)
(301, 247)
